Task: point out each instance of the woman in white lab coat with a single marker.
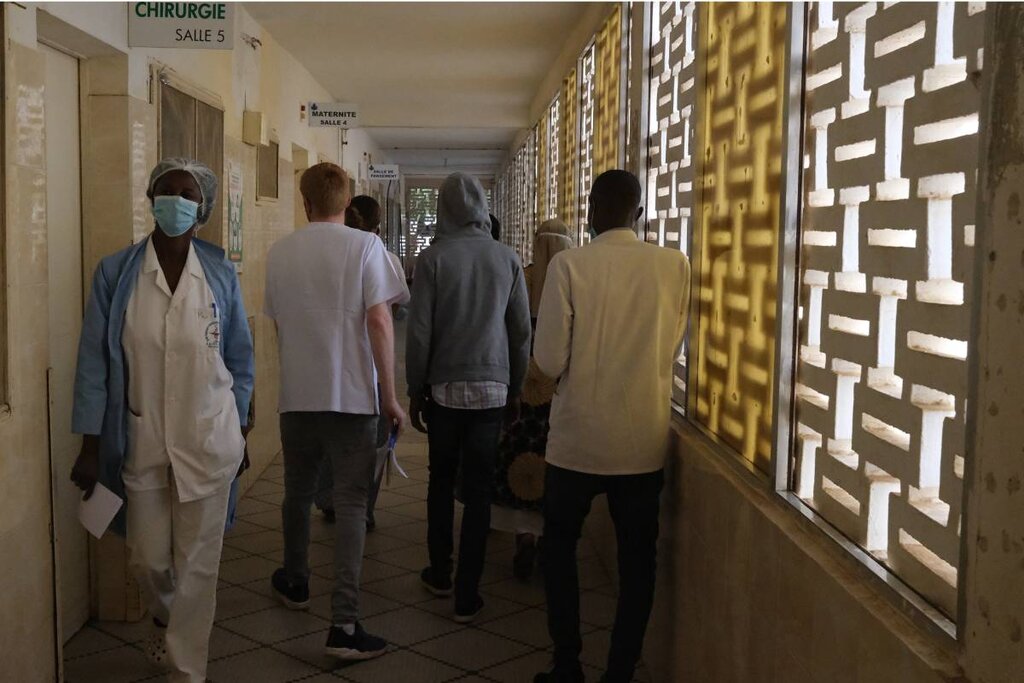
(164, 379)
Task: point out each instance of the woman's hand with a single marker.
(87, 467)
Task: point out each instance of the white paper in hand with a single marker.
(98, 512)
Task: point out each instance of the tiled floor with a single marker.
(256, 640)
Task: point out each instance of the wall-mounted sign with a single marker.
(332, 115)
(189, 25)
(383, 171)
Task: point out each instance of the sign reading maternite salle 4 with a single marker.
(188, 25)
(333, 115)
(383, 171)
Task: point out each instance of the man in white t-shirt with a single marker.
(330, 289)
(363, 213)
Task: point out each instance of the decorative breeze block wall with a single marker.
(672, 102)
(742, 52)
(888, 229)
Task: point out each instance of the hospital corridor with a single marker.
(520, 342)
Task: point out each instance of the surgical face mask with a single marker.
(175, 215)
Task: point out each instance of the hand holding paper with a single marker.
(98, 511)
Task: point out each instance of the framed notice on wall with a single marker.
(235, 214)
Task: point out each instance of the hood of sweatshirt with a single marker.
(462, 208)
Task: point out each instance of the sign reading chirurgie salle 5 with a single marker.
(187, 25)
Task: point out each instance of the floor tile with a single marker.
(229, 553)
(597, 609)
(416, 509)
(276, 624)
(259, 665)
(412, 558)
(240, 528)
(257, 543)
(269, 519)
(531, 594)
(375, 570)
(405, 588)
(529, 627)
(224, 643)
(310, 649)
(247, 569)
(89, 641)
(127, 631)
(403, 666)
(112, 666)
(408, 625)
(595, 648)
(263, 487)
(494, 608)
(413, 532)
(236, 601)
(471, 649)
(378, 542)
(525, 668)
(249, 506)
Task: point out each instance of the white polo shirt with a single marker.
(321, 280)
(183, 419)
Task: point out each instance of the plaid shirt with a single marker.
(470, 395)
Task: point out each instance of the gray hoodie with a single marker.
(469, 319)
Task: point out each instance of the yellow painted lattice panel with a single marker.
(607, 89)
(743, 53)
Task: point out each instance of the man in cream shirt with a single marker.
(610, 325)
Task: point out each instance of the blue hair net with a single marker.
(204, 177)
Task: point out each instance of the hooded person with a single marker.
(467, 352)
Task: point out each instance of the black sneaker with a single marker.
(466, 614)
(360, 645)
(440, 587)
(291, 595)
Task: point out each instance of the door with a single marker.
(64, 245)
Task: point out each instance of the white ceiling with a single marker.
(441, 86)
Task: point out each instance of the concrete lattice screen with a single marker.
(670, 178)
(742, 52)
(888, 233)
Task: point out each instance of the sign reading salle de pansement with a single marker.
(184, 25)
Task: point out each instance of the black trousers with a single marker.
(466, 439)
(633, 502)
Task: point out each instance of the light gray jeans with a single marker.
(349, 441)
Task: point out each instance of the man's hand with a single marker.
(395, 415)
(417, 408)
(87, 467)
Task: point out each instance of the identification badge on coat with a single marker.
(213, 334)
